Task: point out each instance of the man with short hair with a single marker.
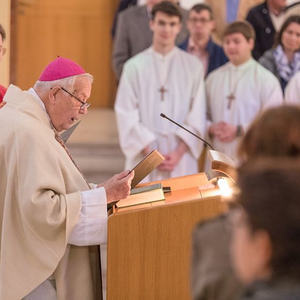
(2, 52)
(239, 90)
(162, 79)
(266, 19)
(133, 34)
(50, 215)
(200, 24)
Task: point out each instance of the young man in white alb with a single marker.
(239, 90)
(162, 79)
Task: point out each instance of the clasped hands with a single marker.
(172, 158)
(223, 131)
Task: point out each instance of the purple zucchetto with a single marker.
(61, 68)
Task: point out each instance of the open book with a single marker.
(146, 166)
(154, 194)
(141, 170)
(220, 162)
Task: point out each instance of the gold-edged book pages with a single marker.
(142, 198)
(146, 166)
(220, 162)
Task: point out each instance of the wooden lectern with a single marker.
(149, 245)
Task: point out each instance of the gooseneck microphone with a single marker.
(195, 135)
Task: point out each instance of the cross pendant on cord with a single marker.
(230, 98)
(162, 91)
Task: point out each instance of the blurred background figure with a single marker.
(124, 4)
(133, 33)
(238, 91)
(2, 53)
(266, 19)
(228, 11)
(164, 79)
(284, 59)
(200, 25)
(265, 244)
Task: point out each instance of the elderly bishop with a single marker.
(51, 219)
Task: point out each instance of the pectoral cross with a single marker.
(162, 91)
(230, 98)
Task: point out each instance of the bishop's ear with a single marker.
(52, 93)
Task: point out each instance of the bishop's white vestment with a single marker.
(45, 206)
(254, 89)
(139, 103)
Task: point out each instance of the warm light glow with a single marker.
(225, 189)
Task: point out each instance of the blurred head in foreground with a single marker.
(274, 133)
(266, 229)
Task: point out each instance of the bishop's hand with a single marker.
(118, 186)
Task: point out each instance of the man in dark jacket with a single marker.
(200, 25)
(124, 4)
(266, 19)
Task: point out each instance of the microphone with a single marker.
(195, 135)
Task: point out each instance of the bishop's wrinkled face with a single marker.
(165, 29)
(66, 109)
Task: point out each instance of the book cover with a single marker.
(146, 166)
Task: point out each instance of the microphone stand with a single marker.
(195, 135)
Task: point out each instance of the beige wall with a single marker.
(5, 22)
(77, 29)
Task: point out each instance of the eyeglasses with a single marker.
(200, 20)
(83, 104)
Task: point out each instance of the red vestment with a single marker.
(2, 92)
